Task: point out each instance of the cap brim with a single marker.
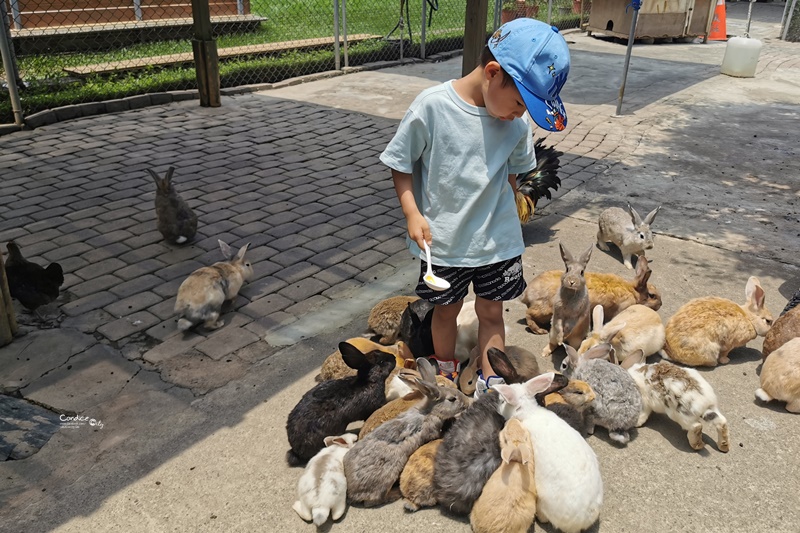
(548, 114)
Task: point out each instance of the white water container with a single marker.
(741, 57)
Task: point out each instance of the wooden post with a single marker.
(474, 34)
(206, 60)
(8, 320)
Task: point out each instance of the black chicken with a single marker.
(537, 183)
(30, 283)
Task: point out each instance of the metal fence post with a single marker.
(15, 14)
(337, 53)
(474, 34)
(422, 30)
(206, 60)
(344, 32)
(549, 11)
(10, 66)
(137, 10)
(498, 8)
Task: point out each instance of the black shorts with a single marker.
(498, 282)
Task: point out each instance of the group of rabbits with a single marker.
(508, 457)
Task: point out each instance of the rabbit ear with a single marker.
(635, 218)
(226, 250)
(643, 272)
(340, 440)
(565, 254)
(585, 256)
(156, 177)
(508, 394)
(539, 384)
(651, 216)
(755, 294)
(242, 251)
(572, 355)
(610, 330)
(431, 390)
(597, 318)
(559, 382)
(509, 454)
(502, 365)
(601, 351)
(633, 359)
(168, 177)
(426, 370)
(352, 357)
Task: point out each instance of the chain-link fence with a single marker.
(75, 51)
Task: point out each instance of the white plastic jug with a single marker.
(741, 57)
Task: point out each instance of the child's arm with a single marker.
(512, 180)
(418, 228)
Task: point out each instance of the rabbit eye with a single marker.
(768, 321)
(641, 235)
(451, 400)
(247, 264)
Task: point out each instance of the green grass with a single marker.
(49, 85)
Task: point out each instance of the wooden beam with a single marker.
(474, 34)
(206, 60)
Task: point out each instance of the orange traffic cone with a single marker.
(718, 31)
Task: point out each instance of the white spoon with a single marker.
(434, 282)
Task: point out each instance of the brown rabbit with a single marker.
(334, 367)
(571, 303)
(176, 220)
(201, 295)
(613, 292)
(507, 503)
(416, 480)
(786, 328)
(780, 376)
(384, 318)
(704, 330)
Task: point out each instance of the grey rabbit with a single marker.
(618, 402)
(626, 230)
(176, 220)
(374, 464)
(571, 303)
(470, 450)
(330, 406)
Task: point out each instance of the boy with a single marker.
(454, 161)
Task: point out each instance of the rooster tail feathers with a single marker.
(538, 182)
(56, 273)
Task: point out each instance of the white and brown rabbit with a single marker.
(636, 328)
(374, 464)
(780, 376)
(704, 330)
(176, 220)
(785, 328)
(507, 503)
(613, 292)
(627, 231)
(201, 295)
(322, 489)
(680, 393)
(571, 303)
(416, 481)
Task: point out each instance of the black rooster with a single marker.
(30, 283)
(537, 183)
(794, 301)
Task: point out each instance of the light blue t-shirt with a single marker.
(460, 157)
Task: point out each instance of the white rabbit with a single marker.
(680, 393)
(322, 488)
(626, 230)
(568, 482)
(636, 328)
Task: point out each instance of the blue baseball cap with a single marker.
(536, 57)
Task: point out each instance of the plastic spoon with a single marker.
(434, 282)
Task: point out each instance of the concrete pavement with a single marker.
(193, 427)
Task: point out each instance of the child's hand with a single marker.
(418, 230)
